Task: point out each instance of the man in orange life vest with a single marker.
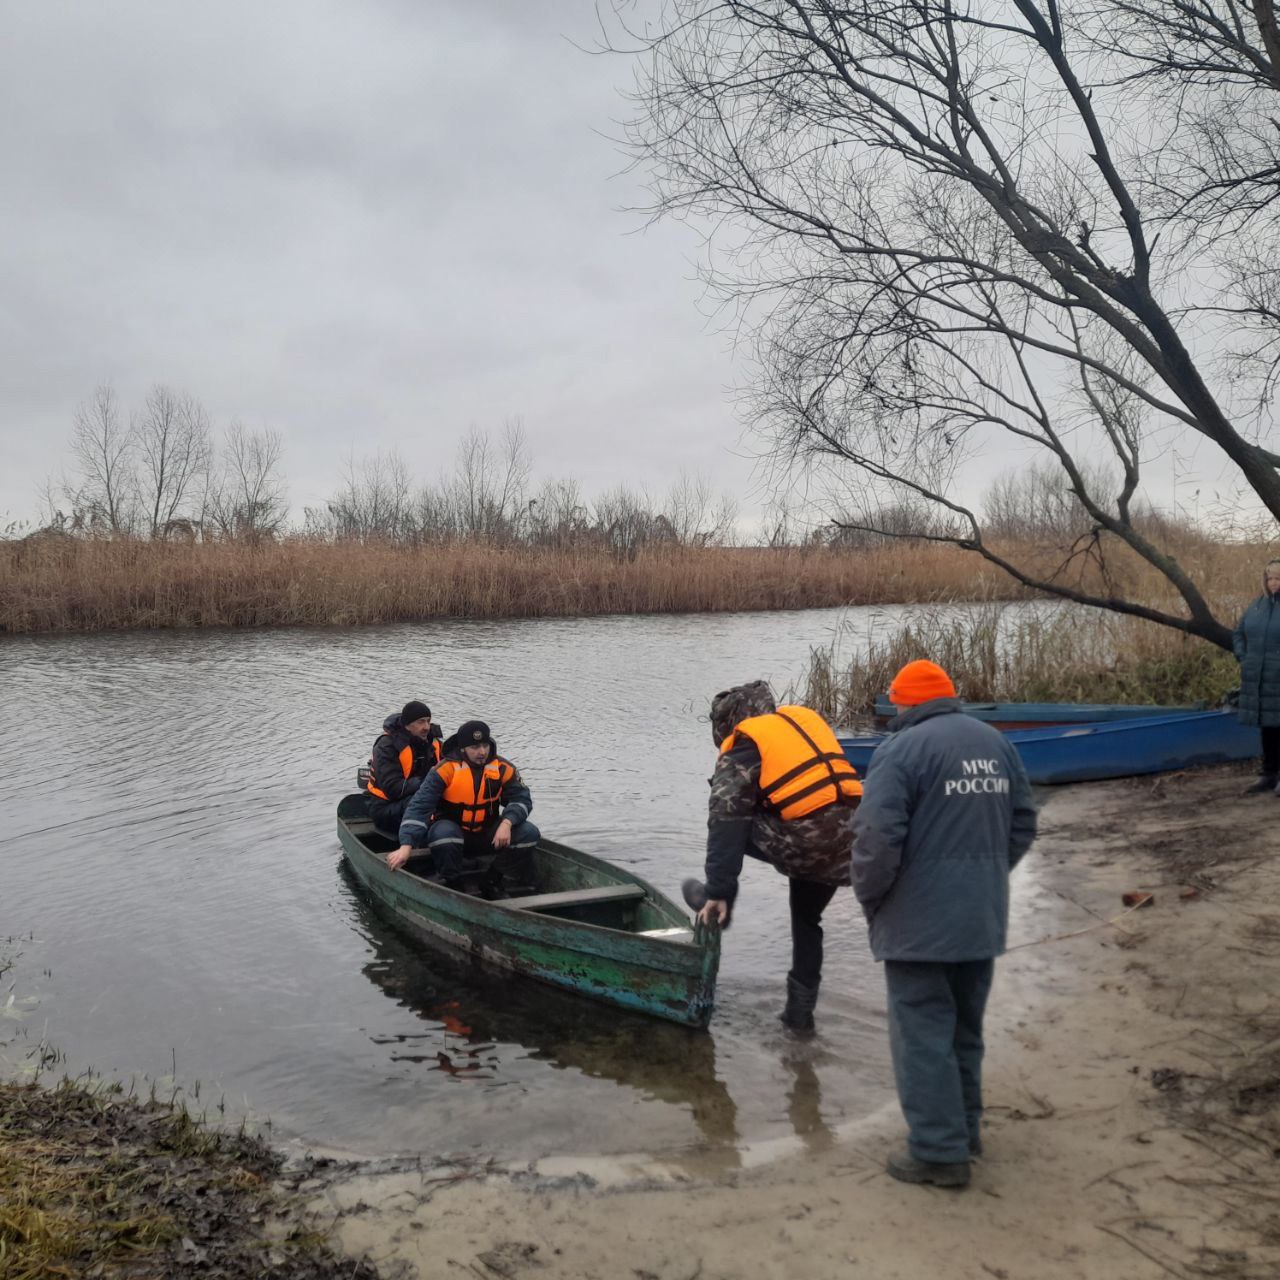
(474, 802)
(407, 751)
(782, 792)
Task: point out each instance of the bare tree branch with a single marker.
(946, 224)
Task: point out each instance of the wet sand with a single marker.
(1133, 1093)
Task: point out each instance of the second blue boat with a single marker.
(1114, 749)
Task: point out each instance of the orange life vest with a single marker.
(406, 763)
(474, 811)
(802, 768)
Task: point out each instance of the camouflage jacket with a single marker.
(815, 847)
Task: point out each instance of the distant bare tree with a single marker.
(557, 515)
(434, 513)
(514, 470)
(247, 495)
(374, 501)
(959, 228)
(694, 516)
(1038, 502)
(104, 448)
(490, 481)
(871, 524)
(626, 522)
(175, 450)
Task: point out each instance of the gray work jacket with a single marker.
(946, 814)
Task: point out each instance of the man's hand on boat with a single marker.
(715, 912)
(501, 840)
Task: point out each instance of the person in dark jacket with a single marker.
(1257, 648)
(472, 803)
(784, 793)
(947, 815)
(407, 751)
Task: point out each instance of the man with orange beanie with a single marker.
(946, 816)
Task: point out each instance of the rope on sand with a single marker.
(1114, 922)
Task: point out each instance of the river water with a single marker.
(177, 911)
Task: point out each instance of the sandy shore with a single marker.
(1133, 1092)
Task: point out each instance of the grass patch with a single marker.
(95, 1184)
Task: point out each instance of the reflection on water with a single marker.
(474, 1021)
(170, 846)
(804, 1104)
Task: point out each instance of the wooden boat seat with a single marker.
(577, 897)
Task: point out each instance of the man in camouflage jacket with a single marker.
(812, 851)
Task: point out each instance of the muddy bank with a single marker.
(1133, 1090)
(99, 1186)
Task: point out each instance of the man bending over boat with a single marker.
(407, 751)
(784, 793)
(473, 803)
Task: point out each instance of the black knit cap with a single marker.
(414, 710)
(473, 733)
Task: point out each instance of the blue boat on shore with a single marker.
(1035, 715)
(1109, 749)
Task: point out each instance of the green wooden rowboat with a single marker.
(591, 928)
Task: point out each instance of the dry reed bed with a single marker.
(50, 583)
(1067, 655)
(68, 585)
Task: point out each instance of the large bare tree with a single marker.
(1001, 226)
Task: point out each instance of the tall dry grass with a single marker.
(1069, 654)
(66, 584)
(59, 583)
(998, 653)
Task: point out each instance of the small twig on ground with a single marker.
(1221, 1155)
(1239, 871)
(1102, 1177)
(1146, 1253)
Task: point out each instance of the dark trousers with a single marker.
(809, 900)
(1271, 750)
(935, 1039)
(386, 814)
(451, 848)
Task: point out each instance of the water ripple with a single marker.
(169, 799)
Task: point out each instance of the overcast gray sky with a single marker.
(367, 225)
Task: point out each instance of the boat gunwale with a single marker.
(1064, 754)
(1059, 713)
(699, 945)
(1053, 732)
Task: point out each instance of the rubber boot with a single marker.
(1263, 783)
(798, 1014)
(906, 1168)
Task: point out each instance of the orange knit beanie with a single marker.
(920, 681)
